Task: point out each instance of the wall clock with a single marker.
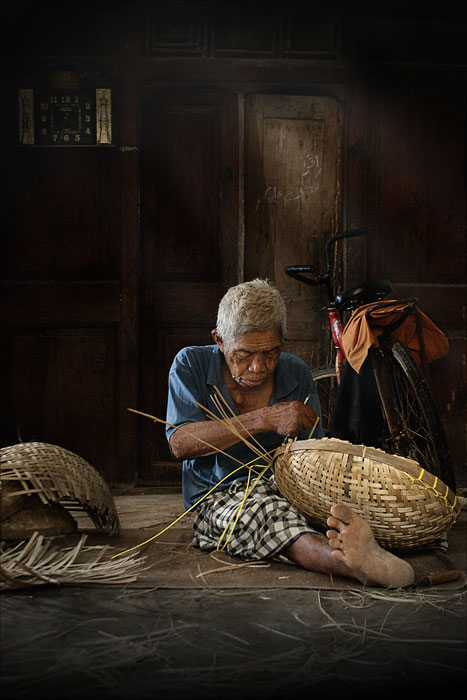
(65, 118)
(51, 117)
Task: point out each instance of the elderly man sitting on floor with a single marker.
(273, 396)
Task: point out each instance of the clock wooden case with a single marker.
(65, 116)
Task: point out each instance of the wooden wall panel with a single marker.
(64, 303)
(63, 208)
(69, 356)
(242, 29)
(417, 220)
(183, 203)
(62, 391)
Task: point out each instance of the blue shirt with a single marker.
(194, 373)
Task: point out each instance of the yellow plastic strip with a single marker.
(444, 497)
(243, 466)
(236, 515)
(314, 427)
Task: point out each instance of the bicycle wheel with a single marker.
(419, 433)
(326, 385)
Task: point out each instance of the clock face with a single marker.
(65, 118)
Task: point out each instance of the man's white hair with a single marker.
(251, 307)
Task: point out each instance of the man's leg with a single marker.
(350, 550)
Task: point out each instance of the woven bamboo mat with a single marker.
(175, 564)
(156, 550)
(171, 562)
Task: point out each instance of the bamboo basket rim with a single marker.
(405, 464)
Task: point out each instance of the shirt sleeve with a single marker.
(307, 390)
(187, 387)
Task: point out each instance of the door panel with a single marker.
(292, 199)
(189, 243)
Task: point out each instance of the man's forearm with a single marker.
(207, 437)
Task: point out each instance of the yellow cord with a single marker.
(452, 508)
(313, 428)
(243, 466)
(236, 514)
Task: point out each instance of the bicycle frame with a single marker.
(337, 328)
(410, 423)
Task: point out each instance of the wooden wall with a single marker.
(244, 135)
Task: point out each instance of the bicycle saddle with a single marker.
(365, 293)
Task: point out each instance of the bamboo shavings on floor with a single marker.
(206, 647)
(38, 561)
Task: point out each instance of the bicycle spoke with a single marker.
(326, 385)
(420, 434)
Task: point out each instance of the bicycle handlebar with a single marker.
(352, 233)
(298, 271)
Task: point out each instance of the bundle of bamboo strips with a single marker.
(39, 561)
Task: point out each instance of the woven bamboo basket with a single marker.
(57, 476)
(405, 505)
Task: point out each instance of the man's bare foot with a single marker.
(353, 543)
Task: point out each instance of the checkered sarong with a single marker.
(267, 522)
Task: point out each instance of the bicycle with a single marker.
(396, 388)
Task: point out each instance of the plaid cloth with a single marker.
(267, 522)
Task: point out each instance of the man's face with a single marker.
(251, 358)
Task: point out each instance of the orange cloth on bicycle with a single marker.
(360, 334)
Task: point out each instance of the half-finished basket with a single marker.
(57, 477)
(405, 505)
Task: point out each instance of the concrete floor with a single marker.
(122, 642)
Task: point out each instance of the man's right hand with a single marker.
(206, 437)
(289, 418)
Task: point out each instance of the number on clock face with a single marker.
(66, 118)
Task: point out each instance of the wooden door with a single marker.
(189, 244)
(292, 203)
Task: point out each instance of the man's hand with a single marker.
(289, 418)
(206, 437)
